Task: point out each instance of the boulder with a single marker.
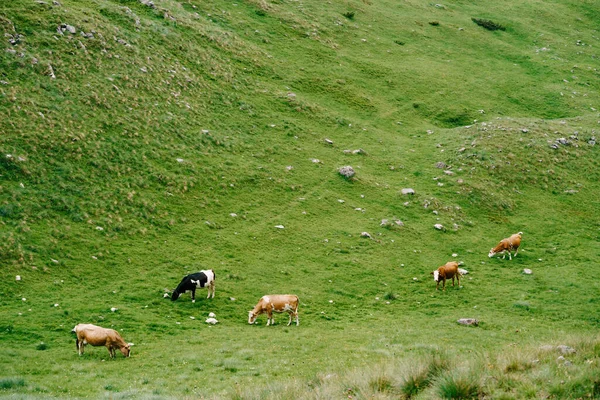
(468, 321)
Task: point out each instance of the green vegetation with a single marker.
(144, 140)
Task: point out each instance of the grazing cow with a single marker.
(275, 302)
(204, 278)
(446, 271)
(98, 336)
(507, 245)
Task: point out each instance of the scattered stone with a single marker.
(165, 295)
(179, 160)
(468, 321)
(439, 227)
(359, 151)
(463, 271)
(113, 309)
(18, 277)
(328, 141)
(527, 271)
(366, 235)
(347, 172)
(592, 141)
(408, 191)
(315, 160)
(211, 315)
(571, 191)
(441, 165)
(211, 321)
(448, 172)
(279, 226)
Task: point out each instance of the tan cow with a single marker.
(275, 303)
(446, 271)
(507, 245)
(98, 336)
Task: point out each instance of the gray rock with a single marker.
(527, 271)
(408, 191)
(347, 172)
(563, 349)
(441, 165)
(439, 227)
(468, 321)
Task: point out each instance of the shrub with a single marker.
(349, 14)
(487, 24)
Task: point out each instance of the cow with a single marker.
(204, 278)
(98, 336)
(275, 303)
(446, 271)
(507, 245)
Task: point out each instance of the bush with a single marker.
(487, 24)
(349, 14)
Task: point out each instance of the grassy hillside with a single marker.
(142, 141)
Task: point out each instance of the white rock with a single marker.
(439, 226)
(211, 321)
(366, 235)
(18, 277)
(279, 226)
(211, 315)
(408, 191)
(113, 309)
(462, 271)
(527, 271)
(454, 255)
(165, 295)
(56, 305)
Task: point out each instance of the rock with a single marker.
(441, 165)
(463, 271)
(592, 141)
(527, 271)
(328, 141)
(408, 191)
(18, 277)
(366, 235)
(439, 227)
(562, 141)
(279, 226)
(113, 309)
(468, 321)
(448, 172)
(347, 172)
(565, 349)
(359, 151)
(148, 3)
(211, 321)
(211, 315)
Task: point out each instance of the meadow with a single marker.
(142, 141)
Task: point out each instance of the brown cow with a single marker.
(446, 271)
(507, 245)
(98, 336)
(277, 303)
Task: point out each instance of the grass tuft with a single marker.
(11, 383)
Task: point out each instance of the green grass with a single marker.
(176, 138)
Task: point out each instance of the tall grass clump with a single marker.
(11, 383)
(420, 378)
(459, 385)
(488, 24)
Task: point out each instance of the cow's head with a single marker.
(126, 350)
(251, 317)
(436, 275)
(491, 253)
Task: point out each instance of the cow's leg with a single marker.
(453, 281)
(444, 286)
(194, 295)
(290, 320)
(269, 316)
(509, 256)
(458, 279)
(213, 289)
(296, 315)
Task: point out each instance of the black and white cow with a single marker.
(204, 278)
